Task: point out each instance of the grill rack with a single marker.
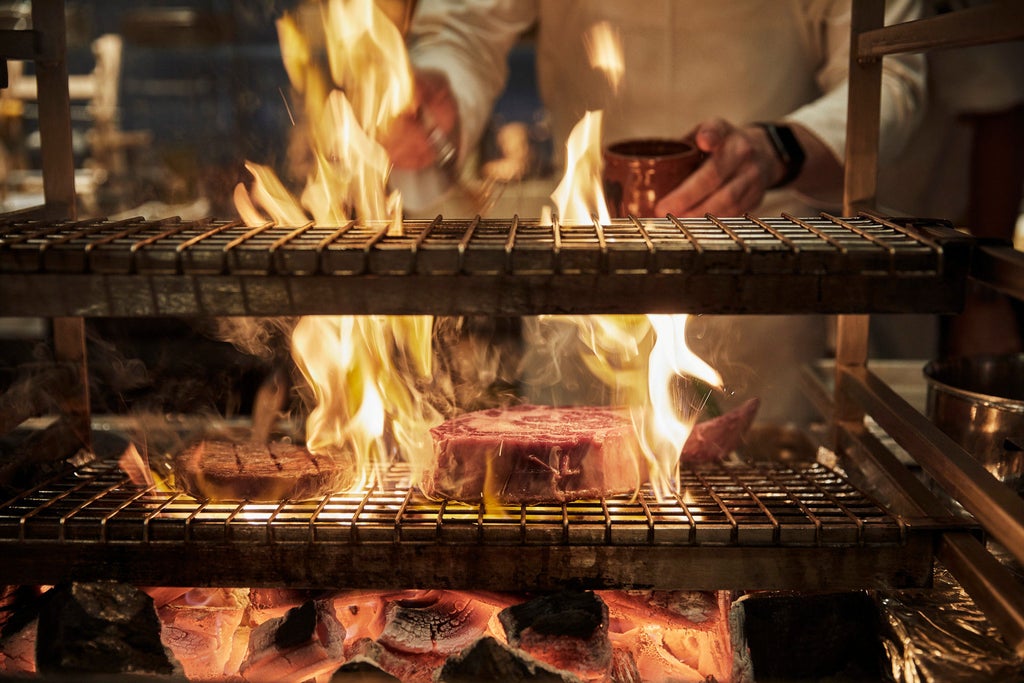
(781, 264)
(733, 526)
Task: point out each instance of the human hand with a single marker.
(740, 165)
(428, 132)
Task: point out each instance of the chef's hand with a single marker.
(427, 133)
(740, 165)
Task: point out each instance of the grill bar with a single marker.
(170, 267)
(729, 526)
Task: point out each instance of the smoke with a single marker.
(264, 338)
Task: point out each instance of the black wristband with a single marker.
(788, 149)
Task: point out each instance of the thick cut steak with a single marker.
(258, 472)
(533, 454)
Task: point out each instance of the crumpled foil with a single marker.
(940, 634)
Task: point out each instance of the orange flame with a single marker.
(354, 363)
(580, 194)
(604, 50)
(639, 358)
(373, 84)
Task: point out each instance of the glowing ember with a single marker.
(273, 634)
(604, 50)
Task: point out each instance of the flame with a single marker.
(352, 364)
(604, 49)
(367, 56)
(580, 193)
(372, 84)
(639, 358)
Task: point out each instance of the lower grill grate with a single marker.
(810, 525)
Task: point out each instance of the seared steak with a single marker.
(258, 472)
(532, 454)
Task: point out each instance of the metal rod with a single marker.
(54, 108)
(69, 348)
(998, 508)
(980, 25)
(863, 113)
(851, 352)
(1000, 267)
(992, 586)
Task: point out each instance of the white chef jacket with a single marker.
(685, 61)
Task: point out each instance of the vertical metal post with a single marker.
(863, 111)
(50, 27)
(69, 348)
(860, 182)
(49, 24)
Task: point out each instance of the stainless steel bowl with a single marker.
(979, 402)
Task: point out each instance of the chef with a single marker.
(760, 84)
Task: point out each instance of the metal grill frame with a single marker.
(786, 264)
(737, 526)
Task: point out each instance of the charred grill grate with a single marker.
(509, 266)
(726, 520)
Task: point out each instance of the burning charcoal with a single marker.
(100, 628)
(407, 667)
(19, 611)
(490, 660)
(438, 621)
(716, 438)
(199, 627)
(624, 669)
(305, 643)
(680, 635)
(409, 634)
(567, 630)
(362, 672)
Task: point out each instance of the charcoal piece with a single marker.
(364, 672)
(573, 614)
(19, 612)
(434, 621)
(100, 628)
(305, 643)
(567, 630)
(490, 660)
(835, 634)
(624, 668)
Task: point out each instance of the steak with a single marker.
(532, 454)
(716, 438)
(540, 454)
(257, 472)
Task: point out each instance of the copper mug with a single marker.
(638, 173)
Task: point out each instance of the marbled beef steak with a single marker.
(539, 454)
(534, 454)
(258, 472)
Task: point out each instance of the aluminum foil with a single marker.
(941, 635)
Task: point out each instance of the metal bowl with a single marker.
(979, 402)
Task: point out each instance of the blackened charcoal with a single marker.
(100, 628)
(566, 630)
(297, 628)
(571, 614)
(489, 660)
